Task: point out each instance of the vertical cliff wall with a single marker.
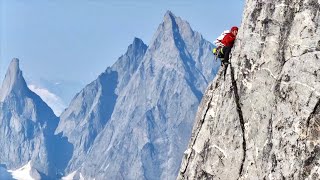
(263, 120)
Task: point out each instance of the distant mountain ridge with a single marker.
(133, 122)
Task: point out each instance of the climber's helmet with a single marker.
(234, 30)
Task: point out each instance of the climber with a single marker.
(224, 44)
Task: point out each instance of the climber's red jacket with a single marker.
(228, 40)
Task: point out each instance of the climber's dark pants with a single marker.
(226, 52)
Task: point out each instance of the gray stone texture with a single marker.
(263, 120)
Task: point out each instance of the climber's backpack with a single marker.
(218, 50)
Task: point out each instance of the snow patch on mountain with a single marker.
(25, 173)
(75, 175)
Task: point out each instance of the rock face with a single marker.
(91, 109)
(263, 120)
(135, 120)
(27, 127)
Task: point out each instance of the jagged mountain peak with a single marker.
(136, 46)
(169, 15)
(137, 42)
(13, 80)
(27, 124)
(132, 58)
(174, 21)
(146, 116)
(136, 103)
(174, 29)
(91, 109)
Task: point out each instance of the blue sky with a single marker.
(75, 40)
